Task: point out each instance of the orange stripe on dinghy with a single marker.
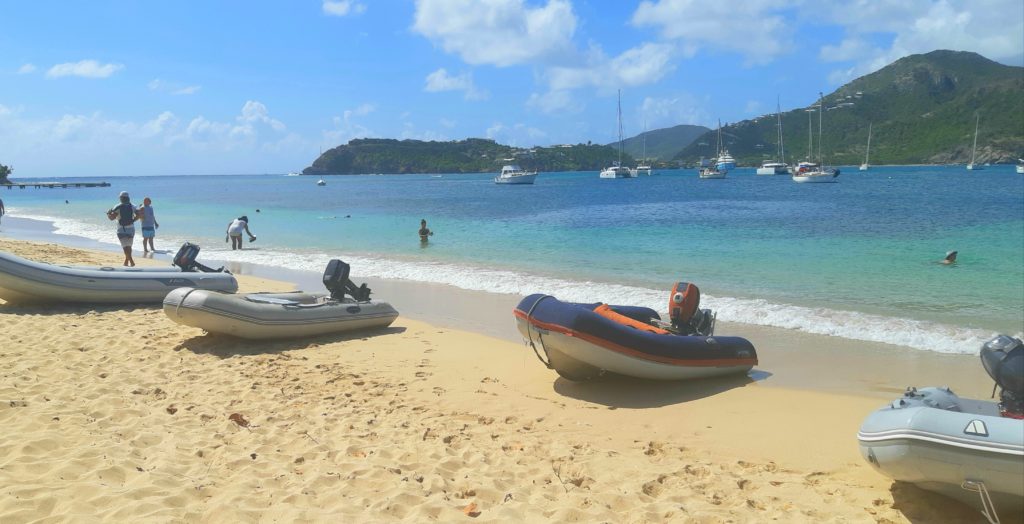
(612, 346)
(606, 311)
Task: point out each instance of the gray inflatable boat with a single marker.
(970, 450)
(27, 281)
(282, 315)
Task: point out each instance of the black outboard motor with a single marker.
(1003, 358)
(337, 282)
(186, 260)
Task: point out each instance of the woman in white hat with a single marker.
(126, 215)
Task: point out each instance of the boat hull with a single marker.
(616, 173)
(27, 281)
(939, 449)
(251, 317)
(516, 180)
(581, 344)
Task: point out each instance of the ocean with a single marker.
(857, 259)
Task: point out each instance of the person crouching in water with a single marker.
(235, 229)
(126, 215)
(149, 224)
(950, 258)
(425, 233)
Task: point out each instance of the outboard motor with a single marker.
(186, 260)
(337, 282)
(684, 312)
(1003, 358)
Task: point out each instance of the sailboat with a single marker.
(864, 166)
(809, 172)
(644, 168)
(974, 148)
(779, 166)
(617, 171)
(1020, 166)
(722, 165)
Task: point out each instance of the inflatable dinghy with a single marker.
(23, 280)
(282, 315)
(585, 341)
(970, 450)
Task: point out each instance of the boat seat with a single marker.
(260, 299)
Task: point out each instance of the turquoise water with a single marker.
(856, 259)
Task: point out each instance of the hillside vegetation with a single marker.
(922, 109)
(474, 155)
(662, 144)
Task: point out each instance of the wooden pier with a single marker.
(51, 185)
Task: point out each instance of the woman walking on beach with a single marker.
(126, 215)
(149, 225)
(2, 210)
(235, 229)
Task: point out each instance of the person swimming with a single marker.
(950, 258)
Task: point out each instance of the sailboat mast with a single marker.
(821, 109)
(867, 153)
(778, 114)
(620, 127)
(810, 135)
(974, 148)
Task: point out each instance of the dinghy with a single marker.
(585, 341)
(970, 450)
(282, 315)
(27, 281)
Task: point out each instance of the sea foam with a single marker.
(918, 334)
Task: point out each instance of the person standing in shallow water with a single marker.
(425, 233)
(235, 229)
(148, 223)
(126, 215)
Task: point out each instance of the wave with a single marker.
(917, 334)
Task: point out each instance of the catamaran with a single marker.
(779, 166)
(808, 172)
(974, 148)
(864, 166)
(617, 170)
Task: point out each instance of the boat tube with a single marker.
(27, 281)
(282, 315)
(585, 341)
(970, 450)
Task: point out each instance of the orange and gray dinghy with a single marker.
(585, 341)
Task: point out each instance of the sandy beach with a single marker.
(113, 414)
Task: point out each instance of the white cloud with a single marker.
(346, 128)
(517, 135)
(699, 24)
(554, 101)
(172, 88)
(343, 7)
(497, 32)
(681, 108)
(95, 143)
(440, 80)
(754, 108)
(84, 68)
(26, 69)
(848, 49)
(994, 29)
(187, 90)
(256, 113)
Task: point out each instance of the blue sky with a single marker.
(109, 88)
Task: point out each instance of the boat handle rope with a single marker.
(529, 313)
(182, 301)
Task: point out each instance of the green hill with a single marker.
(473, 155)
(662, 144)
(922, 110)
